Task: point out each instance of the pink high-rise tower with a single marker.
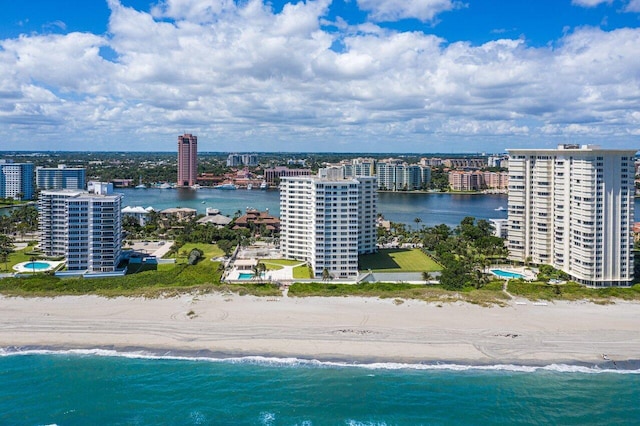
(187, 159)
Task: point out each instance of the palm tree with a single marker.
(426, 277)
(6, 248)
(33, 259)
(417, 220)
(326, 275)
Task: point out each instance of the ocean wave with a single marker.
(609, 367)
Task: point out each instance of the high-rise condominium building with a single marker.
(328, 222)
(187, 160)
(61, 177)
(83, 227)
(16, 180)
(572, 208)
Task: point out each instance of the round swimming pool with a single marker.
(506, 274)
(38, 266)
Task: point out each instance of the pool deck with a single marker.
(20, 268)
(284, 274)
(527, 274)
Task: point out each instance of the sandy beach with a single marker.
(347, 329)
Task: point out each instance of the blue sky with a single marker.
(342, 75)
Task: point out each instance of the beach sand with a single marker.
(349, 329)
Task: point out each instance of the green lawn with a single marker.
(283, 262)
(302, 272)
(398, 260)
(14, 258)
(277, 264)
(209, 250)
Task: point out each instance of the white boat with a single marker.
(249, 186)
(263, 185)
(141, 186)
(204, 202)
(165, 186)
(227, 186)
(196, 186)
(500, 209)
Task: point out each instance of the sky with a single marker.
(415, 76)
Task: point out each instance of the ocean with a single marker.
(102, 387)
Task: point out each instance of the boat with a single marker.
(196, 186)
(500, 209)
(140, 185)
(227, 186)
(204, 202)
(165, 186)
(263, 185)
(249, 186)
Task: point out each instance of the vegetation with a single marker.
(571, 291)
(398, 260)
(13, 258)
(21, 221)
(492, 295)
(302, 272)
(203, 277)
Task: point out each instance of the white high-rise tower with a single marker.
(572, 208)
(328, 221)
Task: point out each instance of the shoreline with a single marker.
(344, 330)
(134, 352)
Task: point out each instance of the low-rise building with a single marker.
(255, 220)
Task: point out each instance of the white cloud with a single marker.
(590, 3)
(633, 6)
(252, 79)
(394, 10)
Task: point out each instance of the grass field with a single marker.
(302, 272)
(16, 257)
(277, 264)
(398, 260)
(209, 250)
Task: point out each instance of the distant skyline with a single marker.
(319, 76)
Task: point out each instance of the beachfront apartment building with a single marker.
(187, 160)
(572, 208)
(328, 222)
(61, 177)
(84, 227)
(16, 180)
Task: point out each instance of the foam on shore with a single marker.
(625, 367)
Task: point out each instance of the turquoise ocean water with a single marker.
(97, 387)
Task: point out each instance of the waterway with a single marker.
(431, 209)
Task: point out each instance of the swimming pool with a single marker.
(245, 276)
(36, 266)
(506, 274)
